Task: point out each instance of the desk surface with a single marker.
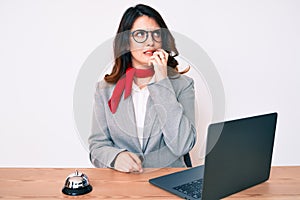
(43, 183)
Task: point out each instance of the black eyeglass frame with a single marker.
(147, 35)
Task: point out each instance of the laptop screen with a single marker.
(241, 155)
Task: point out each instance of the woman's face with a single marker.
(142, 50)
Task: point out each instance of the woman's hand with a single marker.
(159, 60)
(128, 162)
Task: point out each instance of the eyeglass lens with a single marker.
(142, 35)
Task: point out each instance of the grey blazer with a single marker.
(169, 130)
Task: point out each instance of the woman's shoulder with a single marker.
(103, 86)
(176, 77)
(181, 80)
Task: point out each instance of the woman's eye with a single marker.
(140, 34)
(156, 34)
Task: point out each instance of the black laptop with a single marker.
(238, 156)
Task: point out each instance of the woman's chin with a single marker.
(145, 66)
(141, 64)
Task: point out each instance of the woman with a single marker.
(144, 110)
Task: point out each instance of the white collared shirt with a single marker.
(140, 98)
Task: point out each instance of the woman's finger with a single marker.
(137, 162)
(163, 54)
(156, 59)
(160, 55)
(128, 162)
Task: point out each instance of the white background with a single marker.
(254, 44)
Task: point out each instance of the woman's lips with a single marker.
(149, 52)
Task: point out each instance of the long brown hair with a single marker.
(121, 42)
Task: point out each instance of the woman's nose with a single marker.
(150, 41)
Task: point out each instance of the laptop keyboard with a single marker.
(192, 189)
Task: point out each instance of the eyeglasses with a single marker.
(141, 36)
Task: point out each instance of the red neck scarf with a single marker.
(126, 83)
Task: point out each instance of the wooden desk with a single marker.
(42, 183)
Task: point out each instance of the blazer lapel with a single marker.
(125, 119)
(150, 123)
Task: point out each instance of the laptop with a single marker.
(238, 156)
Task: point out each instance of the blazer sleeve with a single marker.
(101, 146)
(176, 113)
